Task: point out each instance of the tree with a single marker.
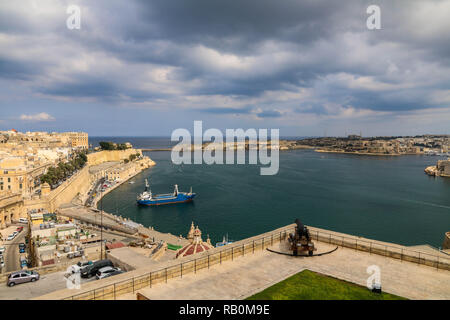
(83, 156)
(64, 169)
(122, 146)
(107, 145)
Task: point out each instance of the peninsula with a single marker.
(352, 144)
(386, 146)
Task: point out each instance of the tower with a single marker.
(190, 235)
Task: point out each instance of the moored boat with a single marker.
(224, 242)
(148, 199)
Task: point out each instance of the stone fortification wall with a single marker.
(113, 155)
(79, 183)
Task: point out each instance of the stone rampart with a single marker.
(164, 271)
(112, 155)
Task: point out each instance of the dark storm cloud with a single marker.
(316, 109)
(20, 70)
(398, 101)
(269, 114)
(235, 26)
(146, 51)
(220, 110)
(82, 89)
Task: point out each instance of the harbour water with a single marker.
(384, 198)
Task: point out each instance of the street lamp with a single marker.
(101, 221)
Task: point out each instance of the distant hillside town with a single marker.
(33, 164)
(24, 157)
(356, 144)
(41, 173)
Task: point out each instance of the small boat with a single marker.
(224, 242)
(148, 199)
(131, 182)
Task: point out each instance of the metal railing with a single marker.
(375, 247)
(232, 251)
(228, 252)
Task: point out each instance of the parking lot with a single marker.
(46, 284)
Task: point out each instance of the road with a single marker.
(46, 284)
(94, 190)
(12, 249)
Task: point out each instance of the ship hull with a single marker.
(166, 199)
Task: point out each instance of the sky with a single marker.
(148, 67)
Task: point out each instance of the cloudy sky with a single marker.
(307, 67)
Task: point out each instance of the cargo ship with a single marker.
(148, 199)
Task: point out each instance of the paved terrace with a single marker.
(246, 276)
(166, 237)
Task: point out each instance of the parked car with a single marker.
(22, 247)
(22, 277)
(19, 229)
(23, 262)
(23, 220)
(15, 233)
(2, 262)
(91, 270)
(11, 237)
(81, 264)
(75, 254)
(107, 272)
(2, 249)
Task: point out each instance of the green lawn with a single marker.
(308, 285)
(173, 247)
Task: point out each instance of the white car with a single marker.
(2, 250)
(23, 220)
(11, 237)
(2, 262)
(107, 272)
(77, 267)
